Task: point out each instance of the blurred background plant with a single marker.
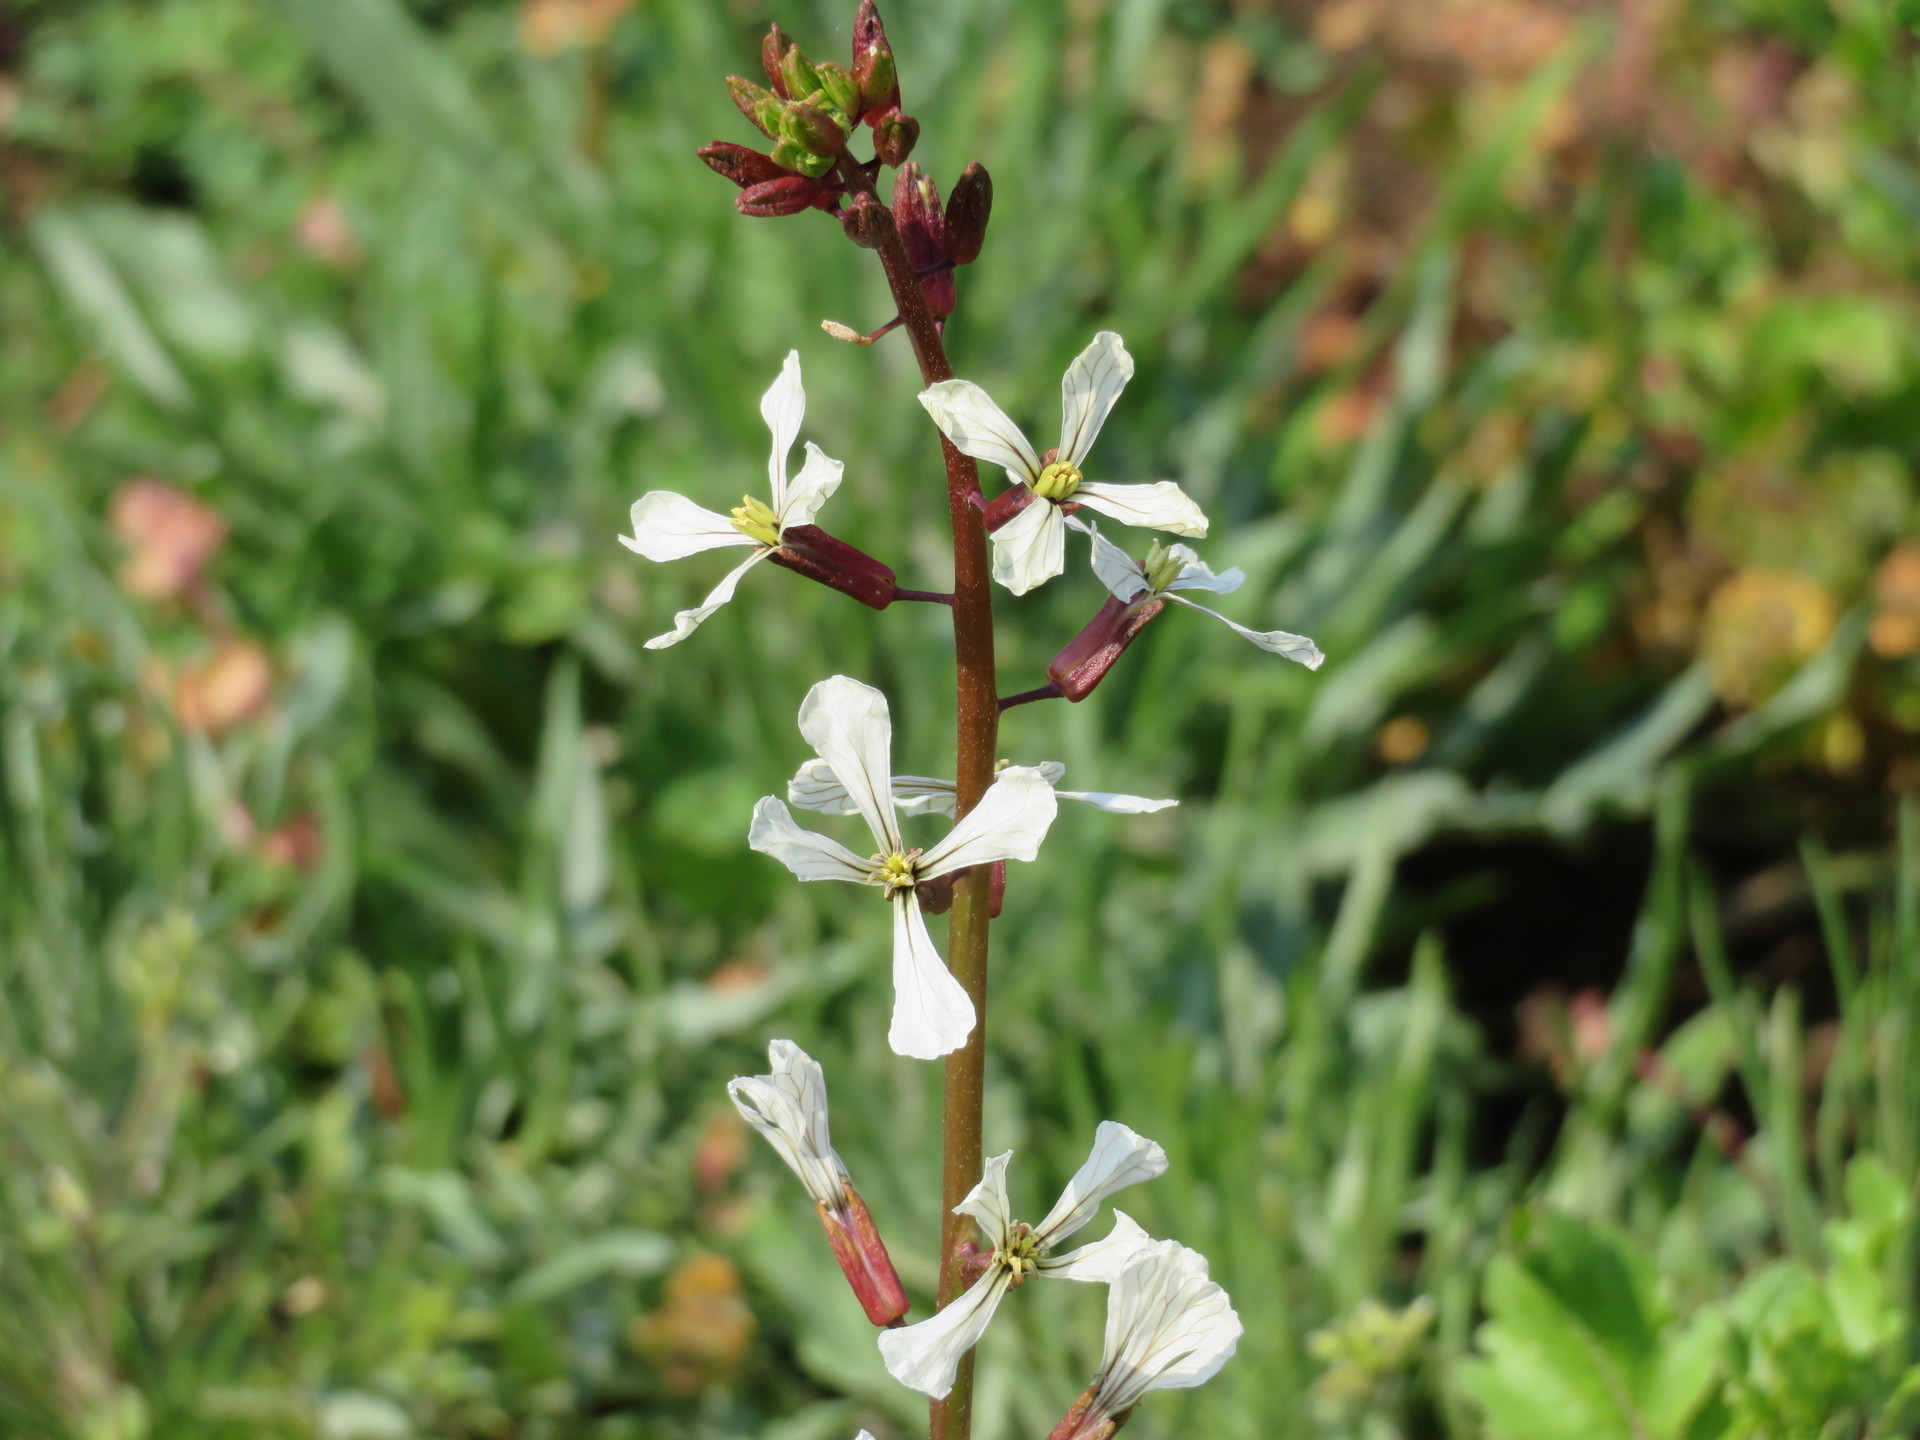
(1528, 1002)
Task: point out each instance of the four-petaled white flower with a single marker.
(789, 1107)
(815, 787)
(848, 726)
(927, 1355)
(1030, 548)
(1169, 1327)
(1169, 569)
(668, 526)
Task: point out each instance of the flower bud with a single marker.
(796, 156)
(839, 88)
(742, 166)
(788, 195)
(773, 51)
(866, 221)
(1090, 654)
(1085, 1422)
(923, 230)
(967, 210)
(797, 72)
(814, 129)
(812, 552)
(873, 67)
(863, 1259)
(758, 104)
(894, 138)
(936, 895)
(996, 889)
(1004, 506)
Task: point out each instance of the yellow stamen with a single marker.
(1161, 567)
(1022, 1255)
(754, 519)
(895, 871)
(1057, 481)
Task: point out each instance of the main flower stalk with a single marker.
(977, 734)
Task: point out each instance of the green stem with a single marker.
(978, 731)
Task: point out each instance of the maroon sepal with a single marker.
(742, 166)
(923, 230)
(1091, 653)
(788, 195)
(968, 208)
(996, 889)
(758, 104)
(873, 69)
(936, 895)
(864, 1260)
(1007, 504)
(1083, 1423)
(894, 135)
(812, 552)
(773, 53)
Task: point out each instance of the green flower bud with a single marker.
(758, 104)
(840, 91)
(813, 129)
(798, 72)
(795, 156)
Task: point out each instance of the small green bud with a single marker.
(841, 93)
(758, 104)
(773, 52)
(797, 157)
(798, 72)
(878, 81)
(813, 129)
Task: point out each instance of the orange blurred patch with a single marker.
(720, 1151)
(700, 1333)
(225, 690)
(1760, 627)
(296, 845)
(548, 27)
(325, 233)
(1401, 740)
(169, 535)
(1896, 593)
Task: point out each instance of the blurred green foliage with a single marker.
(376, 927)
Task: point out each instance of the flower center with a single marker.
(1021, 1254)
(894, 871)
(754, 519)
(1161, 567)
(1057, 481)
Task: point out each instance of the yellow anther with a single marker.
(754, 519)
(1057, 481)
(894, 871)
(1161, 567)
(1022, 1254)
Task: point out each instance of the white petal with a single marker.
(1169, 1327)
(1119, 1158)
(968, 417)
(814, 786)
(1118, 571)
(1162, 505)
(1008, 824)
(783, 407)
(1101, 1262)
(848, 726)
(924, 795)
(807, 855)
(1274, 642)
(1196, 574)
(1031, 548)
(1093, 382)
(667, 526)
(932, 1015)
(987, 1202)
(925, 1357)
(789, 1107)
(1116, 804)
(687, 621)
(810, 489)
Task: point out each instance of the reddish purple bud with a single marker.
(1007, 504)
(923, 230)
(788, 195)
(1082, 1422)
(936, 895)
(968, 209)
(773, 53)
(866, 221)
(975, 1261)
(864, 1260)
(758, 104)
(996, 889)
(1091, 653)
(873, 67)
(742, 166)
(894, 138)
(812, 552)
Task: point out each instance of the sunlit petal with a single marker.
(687, 621)
(925, 1357)
(1275, 642)
(1196, 574)
(987, 1202)
(1115, 804)
(1169, 1327)
(1093, 382)
(1008, 824)
(1162, 505)
(932, 1015)
(667, 526)
(1118, 571)
(789, 1107)
(848, 726)
(783, 407)
(1100, 1263)
(1119, 1158)
(810, 489)
(807, 855)
(968, 417)
(1031, 548)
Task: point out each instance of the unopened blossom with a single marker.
(849, 728)
(1169, 1327)
(789, 1107)
(668, 526)
(927, 1356)
(815, 787)
(1140, 590)
(1028, 524)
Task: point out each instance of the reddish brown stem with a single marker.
(978, 730)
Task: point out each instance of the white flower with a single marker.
(1030, 548)
(926, 1356)
(815, 787)
(667, 526)
(1167, 570)
(848, 726)
(789, 1107)
(1169, 1327)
